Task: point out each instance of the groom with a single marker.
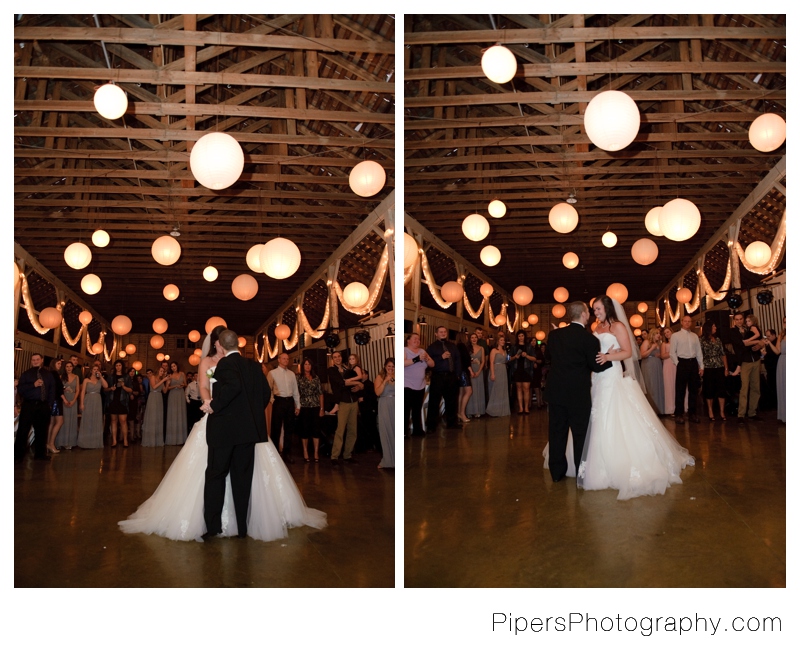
(573, 352)
(236, 423)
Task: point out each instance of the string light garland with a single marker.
(375, 287)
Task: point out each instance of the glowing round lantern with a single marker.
(210, 273)
(282, 331)
(214, 321)
(130, 348)
(121, 325)
(611, 120)
(609, 239)
(241, 342)
(642, 307)
(644, 251)
(367, 178)
(123, 354)
(679, 219)
(757, 254)
(617, 291)
(570, 260)
(137, 365)
(97, 348)
(561, 294)
(194, 359)
(683, 295)
(490, 255)
(636, 320)
(194, 336)
(533, 319)
(651, 221)
(156, 342)
(637, 332)
(500, 320)
(166, 250)
(594, 326)
(160, 356)
(217, 160)
(171, 292)
(85, 317)
(78, 256)
(525, 324)
(497, 209)
(487, 290)
(499, 64)
(767, 132)
(559, 311)
(198, 352)
(523, 295)
(91, 284)
(244, 287)
(110, 101)
(540, 335)
(280, 258)
(166, 357)
(356, 294)
(452, 291)
(50, 318)
(252, 258)
(563, 218)
(475, 227)
(160, 325)
(410, 250)
(562, 324)
(100, 238)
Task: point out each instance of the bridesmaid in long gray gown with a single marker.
(153, 422)
(498, 395)
(177, 429)
(90, 435)
(68, 436)
(779, 347)
(477, 401)
(384, 389)
(652, 370)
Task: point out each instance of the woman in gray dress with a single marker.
(90, 435)
(498, 394)
(477, 401)
(384, 389)
(153, 423)
(68, 436)
(779, 347)
(652, 371)
(177, 429)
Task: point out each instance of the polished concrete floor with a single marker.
(480, 511)
(66, 535)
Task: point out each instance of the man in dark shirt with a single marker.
(37, 390)
(444, 381)
(345, 395)
(743, 340)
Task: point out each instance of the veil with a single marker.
(632, 368)
(206, 345)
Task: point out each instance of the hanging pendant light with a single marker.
(642, 307)
(609, 239)
(280, 258)
(217, 160)
(540, 335)
(651, 221)
(497, 209)
(100, 238)
(252, 258)
(160, 325)
(121, 325)
(85, 317)
(558, 311)
(171, 292)
(130, 348)
(356, 294)
(244, 287)
(684, 295)
(767, 132)
(50, 318)
(561, 294)
(283, 332)
(679, 219)
(644, 251)
(487, 289)
(475, 227)
(570, 260)
(452, 291)
(210, 273)
(563, 218)
(636, 320)
(97, 348)
(214, 321)
(110, 101)
(757, 254)
(611, 120)
(617, 291)
(166, 250)
(91, 284)
(499, 64)
(490, 255)
(77, 256)
(523, 295)
(367, 178)
(194, 336)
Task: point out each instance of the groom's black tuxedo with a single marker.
(239, 395)
(573, 352)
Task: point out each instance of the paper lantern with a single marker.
(475, 227)
(122, 354)
(500, 320)
(558, 311)
(280, 258)
(194, 336)
(166, 250)
(242, 341)
(217, 160)
(137, 365)
(617, 291)
(160, 356)
(160, 325)
(642, 307)
(100, 238)
(97, 348)
(497, 209)
(757, 254)
(367, 178)
(499, 64)
(683, 295)
(452, 291)
(679, 219)
(562, 324)
(110, 101)
(356, 294)
(594, 327)
(644, 251)
(570, 260)
(121, 325)
(244, 287)
(523, 295)
(252, 258)
(91, 284)
(50, 318)
(194, 359)
(214, 321)
(767, 132)
(637, 332)
(410, 250)
(78, 256)
(490, 255)
(166, 357)
(525, 324)
(563, 218)
(198, 352)
(651, 221)
(487, 290)
(561, 294)
(210, 273)
(85, 317)
(540, 335)
(611, 120)
(171, 292)
(533, 319)
(156, 342)
(609, 239)
(282, 331)
(130, 348)
(636, 320)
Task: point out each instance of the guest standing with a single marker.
(769, 391)
(464, 383)
(743, 339)
(153, 422)
(652, 368)
(57, 412)
(90, 435)
(345, 394)
(118, 404)
(477, 402)
(415, 364)
(312, 408)
(193, 401)
(780, 371)
(687, 355)
(384, 389)
(285, 406)
(498, 404)
(521, 359)
(177, 431)
(134, 398)
(444, 381)
(68, 436)
(715, 365)
(37, 390)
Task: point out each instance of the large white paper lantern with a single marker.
(244, 287)
(130, 348)
(214, 321)
(356, 294)
(85, 317)
(78, 256)
(570, 260)
(452, 291)
(91, 284)
(609, 239)
(499, 64)
(166, 250)
(282, 331)
(563, 218)
(121, 325)
(757, 254)
(679, 219)
(410, 250)
(561, 294)
(497, 209)
(559, 311)
(490, 255)
(636, 320)
(171, 292)
(101, 238)
(533, 319)
(617, 291)
(50, 318)
(644, 251)
(210, 273)
(684, 295)
(160, 325)
(194, 336)
(217, 160)
(540, 335)
(487, 290)
(651, 221)
(252, 258)
(156, 342)
(611, 120)
(280, 258)
(500, 320)
(767, 132)
(110, 101)
(97, 348)
(367, 178)
(523, 295)
(475, 227)
(642, 307)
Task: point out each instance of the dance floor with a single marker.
(66, 534)
(480, 511)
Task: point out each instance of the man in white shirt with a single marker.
(286, 405)
(687, 355)
(193, 413)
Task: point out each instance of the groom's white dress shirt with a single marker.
(685, 345)
(284, 383)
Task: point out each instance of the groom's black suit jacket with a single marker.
(239, 396)
(573, 352)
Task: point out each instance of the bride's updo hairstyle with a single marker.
(213, 337)
(608, 305)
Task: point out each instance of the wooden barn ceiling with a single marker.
(698, 81)
(307, 96)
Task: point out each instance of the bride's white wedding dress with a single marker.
(175, 509)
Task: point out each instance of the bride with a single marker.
(175, 510)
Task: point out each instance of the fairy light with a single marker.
(67, 337)
(29, 308)
(375, 287)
